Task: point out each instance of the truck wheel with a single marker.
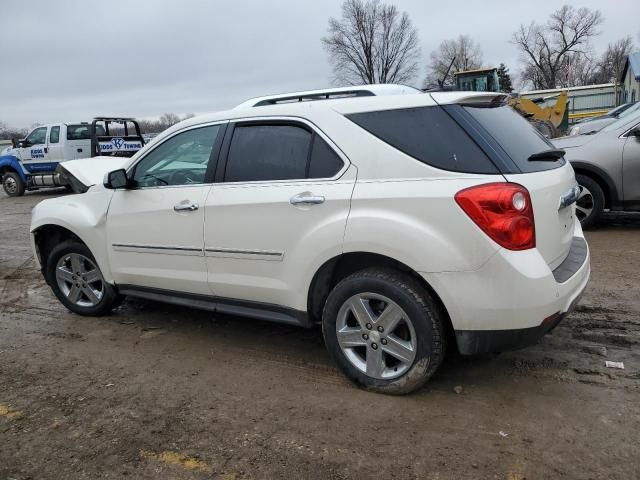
(73, 274)
(590, 203)
(384, 331)
(12, 184)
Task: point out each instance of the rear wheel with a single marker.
(76, 280)
(384, 331)
(12, 184)
(590, 203)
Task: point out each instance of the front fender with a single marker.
(85, 216)
(11, 162)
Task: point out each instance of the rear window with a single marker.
(429, 135)
(517, 137)
(83, 132)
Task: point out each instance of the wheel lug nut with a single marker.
(369, 326)
(365, 336)
(383, 341)
(374, 346)
(380, 329)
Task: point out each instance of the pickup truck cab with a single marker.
(32, 162)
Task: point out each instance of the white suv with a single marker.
(401, 221)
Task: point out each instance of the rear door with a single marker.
(78, 141)
(55, 146)
(548, 180)
(282, 199)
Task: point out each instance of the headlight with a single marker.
(574, 131)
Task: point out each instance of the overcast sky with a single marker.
(71, 60)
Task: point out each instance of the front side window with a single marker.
(180, 160)
(37, 137)
(54, 136)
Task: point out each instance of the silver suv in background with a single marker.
(593, 125)
(607, 166)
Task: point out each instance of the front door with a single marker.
(282, 201)
(34, 155)
(631, 170)
(155, 227)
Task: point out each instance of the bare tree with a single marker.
(372, 43)
(614, 58)
(462, 51)
(544, 48)
(9, 133)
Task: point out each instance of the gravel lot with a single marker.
(156, 391)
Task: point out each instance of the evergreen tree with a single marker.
(505, 79)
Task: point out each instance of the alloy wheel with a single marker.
(376, 336)
(80, 280)
(584, 203)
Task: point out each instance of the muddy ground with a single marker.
(156, 391)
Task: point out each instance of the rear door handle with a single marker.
(306, 198)
(187, 206)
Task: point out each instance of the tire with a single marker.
(13, 185)
(92, 295)
(590, 203)
(421, 326)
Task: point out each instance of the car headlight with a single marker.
(574, 131)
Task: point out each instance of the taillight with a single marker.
(503, 211)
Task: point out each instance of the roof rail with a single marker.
(328, 94)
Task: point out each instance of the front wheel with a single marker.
(590, 202)
(384, 331)
(12, 184)
(74, 276)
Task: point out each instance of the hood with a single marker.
(572, 141)
(87, 172)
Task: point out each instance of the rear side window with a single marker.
(54, 136)
(83, 132)
(279, 152)
(324, 163)
(429, 135)
(517, 137)
(267, 152)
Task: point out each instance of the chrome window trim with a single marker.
(295, 119)
(132, 167)
(262, 118)
(626, 134)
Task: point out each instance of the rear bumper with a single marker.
(514, 299)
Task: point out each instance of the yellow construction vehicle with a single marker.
(550, 120)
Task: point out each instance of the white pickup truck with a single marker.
(32, 162)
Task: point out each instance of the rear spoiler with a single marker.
(122, 137)
(473, 99)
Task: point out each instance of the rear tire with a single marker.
(13, 185)
(75, 278)
(590, 203)
(395, 342)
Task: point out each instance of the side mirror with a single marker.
(22, 144)
(116, 179)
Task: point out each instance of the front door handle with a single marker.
(306, 198)
(187, 206)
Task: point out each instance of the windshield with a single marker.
(626, 120)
